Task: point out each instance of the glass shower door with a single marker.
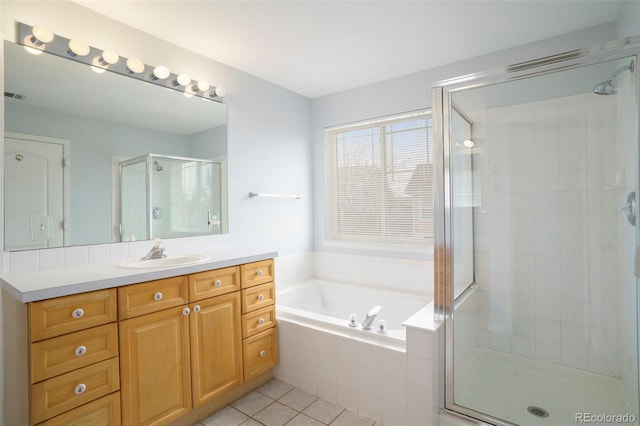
(186, 199)
(548, 333)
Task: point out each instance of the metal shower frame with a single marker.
(441, 96)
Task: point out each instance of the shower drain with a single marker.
(537, 411)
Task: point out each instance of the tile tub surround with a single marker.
(395, 387)
(277, 403)
(410, 275)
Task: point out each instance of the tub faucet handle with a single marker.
(352, 321)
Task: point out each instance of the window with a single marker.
(379, 180)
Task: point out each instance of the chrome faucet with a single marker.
(371, 316)
(156, 252)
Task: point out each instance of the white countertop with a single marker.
(47, 283)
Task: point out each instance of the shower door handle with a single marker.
(629, 208)
(637, 262)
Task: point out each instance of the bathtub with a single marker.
(328, 305)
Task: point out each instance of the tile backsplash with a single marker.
(33, 260)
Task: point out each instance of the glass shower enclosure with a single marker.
(536, 245)
(165, 197)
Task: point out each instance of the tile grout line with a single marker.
(315, 398)
(338, 415)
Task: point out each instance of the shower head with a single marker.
(608, 86)
(158, 166)
(605, 88)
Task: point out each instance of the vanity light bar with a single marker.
(41, 38)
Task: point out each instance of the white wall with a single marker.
(268, 132)
(629, 19)
(413, 92)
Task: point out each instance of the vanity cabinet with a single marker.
(73, 357)
(155, 367)
(260, 341)
(216, 347)
(165, 351)
(179, 358)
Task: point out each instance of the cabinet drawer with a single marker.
(260, 353)
(71, 390)
(258, 297)
(257, 273)
(213, 283)
(54, 317)
(259, 320)
(61, 354)
(102, 412)
(139, 299)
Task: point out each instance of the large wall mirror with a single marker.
(94, 158)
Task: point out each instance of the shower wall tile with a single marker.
(546, 230)
(524, 346)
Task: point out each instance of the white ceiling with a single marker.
(316, 48)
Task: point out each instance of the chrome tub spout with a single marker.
(371, 316)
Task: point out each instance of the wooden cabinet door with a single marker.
(216, 346)
(155, 367)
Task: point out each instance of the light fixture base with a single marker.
(131, 67)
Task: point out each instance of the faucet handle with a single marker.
(157, 242)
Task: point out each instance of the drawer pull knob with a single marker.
(196, 309)
(261, 321)
(81, 350)
(80, 389)
(259, 273)
(157, 296)
(261, 297)
(186, 311)
(218, 283)
(263, 354)
(78, 313)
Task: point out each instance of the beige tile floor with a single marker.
(277, 403)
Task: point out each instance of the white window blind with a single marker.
(380, 180)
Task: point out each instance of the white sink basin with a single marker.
(165, 262)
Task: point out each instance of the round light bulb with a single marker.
(109, 57)
(220, 91)
(78, 48)
(182, 80)
(160, 73)
(33, 50)
(202, 86)
(135, 66)
(468, 143)
(41, 35)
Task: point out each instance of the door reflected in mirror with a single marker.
(71, 128)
